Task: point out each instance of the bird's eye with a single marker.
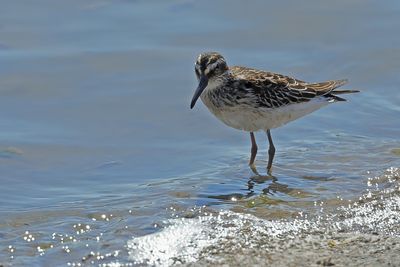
(217, 67)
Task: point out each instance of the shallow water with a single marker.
(102, 161)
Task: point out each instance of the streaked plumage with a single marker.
(253, 100)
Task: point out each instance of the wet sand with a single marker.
(339, 249)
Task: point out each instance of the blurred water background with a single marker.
(99, 151)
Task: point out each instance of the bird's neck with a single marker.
(219, 81)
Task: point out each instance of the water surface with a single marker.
(99, 151)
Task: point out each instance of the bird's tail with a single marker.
(329, 89)
(333, 94)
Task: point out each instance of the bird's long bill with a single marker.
(202, 85)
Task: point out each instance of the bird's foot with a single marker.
(254, 169)
(269, 171)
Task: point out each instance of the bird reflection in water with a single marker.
(273, 187)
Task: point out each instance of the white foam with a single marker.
(183, 240)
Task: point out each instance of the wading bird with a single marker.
(252, 100)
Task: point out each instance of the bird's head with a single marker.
(209, 67)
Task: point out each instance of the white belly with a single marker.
(255, 119)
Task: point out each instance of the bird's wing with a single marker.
(273, 90)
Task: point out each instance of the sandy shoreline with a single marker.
(340, 249)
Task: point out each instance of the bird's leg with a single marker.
(254, 149)
(271, 152)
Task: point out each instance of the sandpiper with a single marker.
(251, 100)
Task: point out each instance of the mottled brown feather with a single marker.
(274, 90)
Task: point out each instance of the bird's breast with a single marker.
(229, 111)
